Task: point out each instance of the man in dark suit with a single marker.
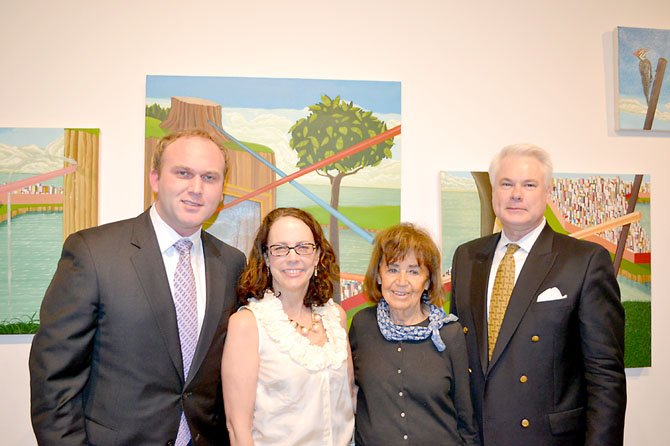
(107, 366)
(552, 372)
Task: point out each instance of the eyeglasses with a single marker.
(303, 249)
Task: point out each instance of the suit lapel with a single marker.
(536, 267)
(478, 287)
(148, 263)
(216, 277)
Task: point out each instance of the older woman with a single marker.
(410, 362)
(286, 370)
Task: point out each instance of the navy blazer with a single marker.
(556, 376)
(105, 365)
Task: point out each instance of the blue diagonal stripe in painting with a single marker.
(332, 211)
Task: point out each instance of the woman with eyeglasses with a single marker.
(286, 368)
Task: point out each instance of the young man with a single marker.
(544, 324)
(132, 325)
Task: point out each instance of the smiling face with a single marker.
(402, 283)
(291, 273)
(520, 195)
(189, 186)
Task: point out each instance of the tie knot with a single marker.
(512, 248)
(183, 246)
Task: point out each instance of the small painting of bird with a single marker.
(645, 71)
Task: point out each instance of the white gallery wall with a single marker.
(475, 77)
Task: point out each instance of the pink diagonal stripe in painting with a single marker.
(359, 147)
(16, 185)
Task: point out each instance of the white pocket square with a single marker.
(551, 294)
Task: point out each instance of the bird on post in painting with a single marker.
(645, 71)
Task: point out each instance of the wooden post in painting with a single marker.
(245, 174)
(69, 151)
(149, 146)
(80, 194)
(655, 93)
(487, 217)
(185, 113)
(193, 113)
(623, 235)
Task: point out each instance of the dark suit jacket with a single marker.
(105, 365)
(556, 376)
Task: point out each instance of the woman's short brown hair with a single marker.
(256, 277)
(392, 245)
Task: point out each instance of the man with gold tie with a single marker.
(543, 320)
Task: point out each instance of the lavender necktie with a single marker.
(185, 303)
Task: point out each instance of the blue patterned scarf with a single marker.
(393, 332)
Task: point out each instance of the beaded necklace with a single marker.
(314, 328)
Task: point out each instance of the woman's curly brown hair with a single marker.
(256, 277)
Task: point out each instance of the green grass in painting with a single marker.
(369, 217)
(351, 312)
(3, 207)
(153, 128)
(642, 269)
(258, 148)
(638, 334)
(553, 221)
(95, 132)
(28, 325)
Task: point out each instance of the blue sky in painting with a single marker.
(631, 39)
(274, 93)
(17, 136)
(632, 105)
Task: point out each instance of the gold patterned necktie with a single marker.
(502, 290)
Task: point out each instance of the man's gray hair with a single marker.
(523, 149)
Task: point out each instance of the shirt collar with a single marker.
(166, 235)
(527, 241)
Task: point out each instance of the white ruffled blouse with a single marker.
(303, 395)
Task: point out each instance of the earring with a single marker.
(315, 270)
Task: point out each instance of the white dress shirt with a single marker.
(520, 256)
(167, 237)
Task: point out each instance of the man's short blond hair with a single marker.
(189, 133)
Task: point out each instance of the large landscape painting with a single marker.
(337, 141)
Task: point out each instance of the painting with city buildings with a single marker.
(594, 207)
(48, 190)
